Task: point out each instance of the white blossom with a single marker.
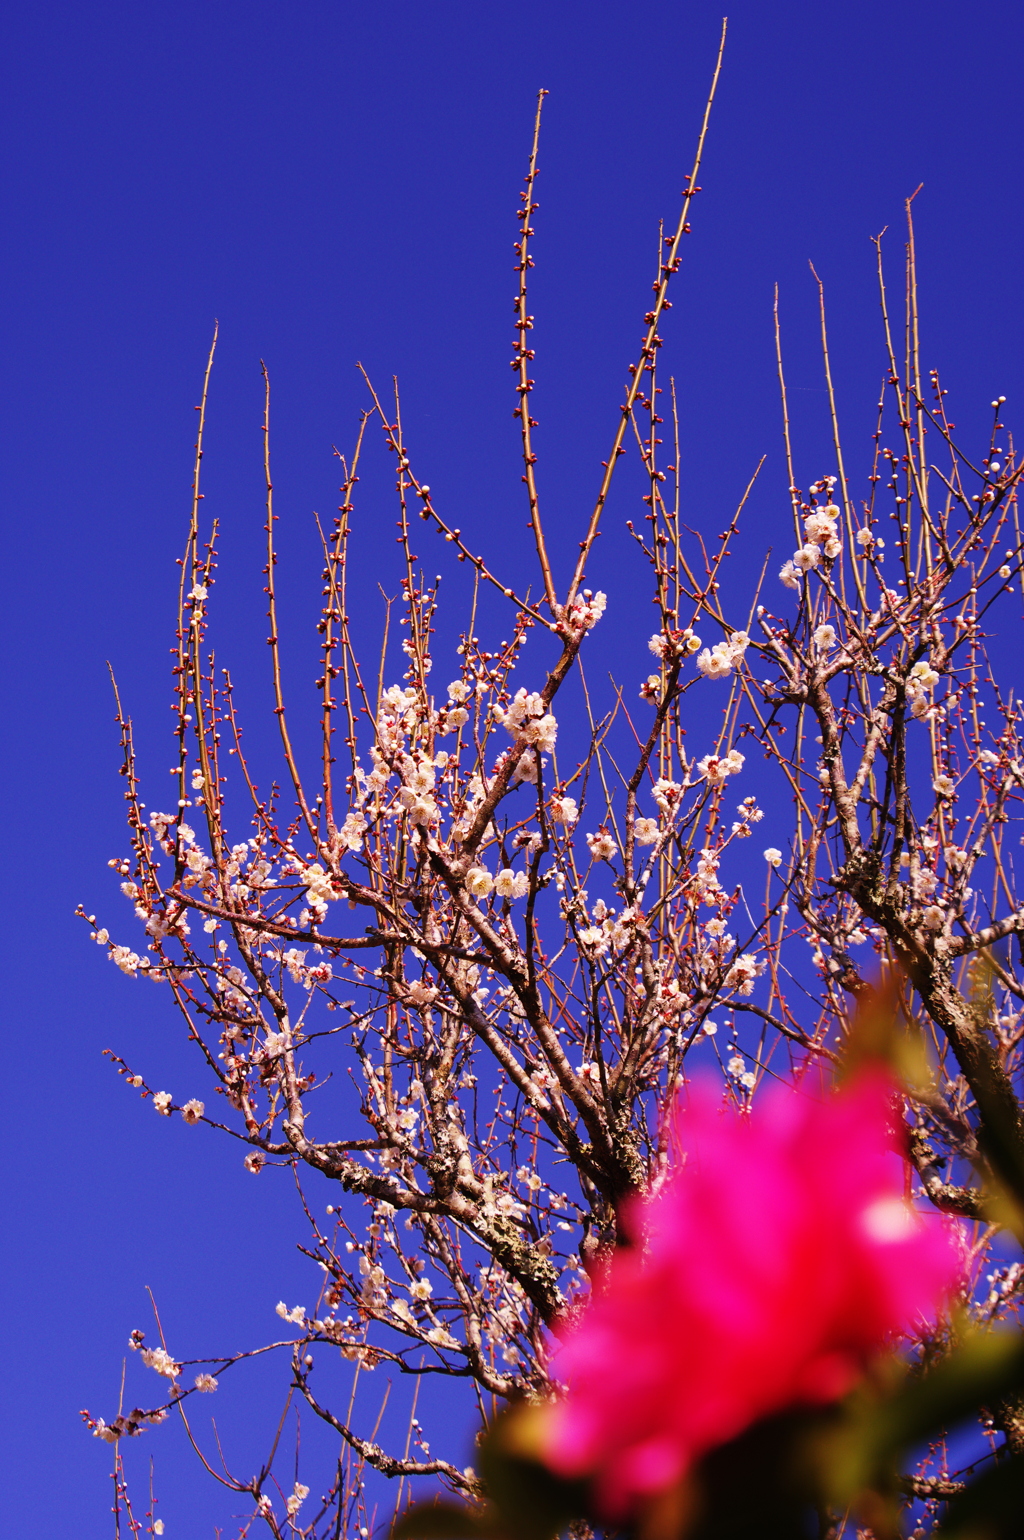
(528, 720)
(162, 1103)
(645, 831)
(510, 884)
(128, 961)
(820, 524)
(350, 835)
(789, 575)
(666, 794)
(193, 1110)
(742, 974)
(297, 1498)
(587, 610)
(160, 1360)
(773, 856)
(719, 661)
(205, 1383)
(564, 810)
(716, 767)
(807, 557)
(825, 638)
(527, 769)
(602, 846)
(296, 1315)
(479, 881)
(594, 941)
(922, 676)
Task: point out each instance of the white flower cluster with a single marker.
(921, 680)
(297, 1498)
(415, 795)
(737, 1066)
(319, 891)
(397, 716)
(457, 716)
(704, 884)
(160, 823)
(672, 999)
(609, 930)
(418, 993)
(528, 720)
(601, 845)
(350, 835)
(667, 794)
(128, 961)
(564, 811)
(527, 768)
(293, 960)
(507, 884)
(586, 610)
(276, 1043)
(674, 644)
(718, 767)
(820, 539)
(742, 974)
(719, 661)
(749, 813)
(160, 1360)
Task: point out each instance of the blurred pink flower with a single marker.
(767, 1269)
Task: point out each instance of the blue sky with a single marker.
(336, 182)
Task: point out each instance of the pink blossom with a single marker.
(766, 1270)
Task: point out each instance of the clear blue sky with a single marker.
(337, 181)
